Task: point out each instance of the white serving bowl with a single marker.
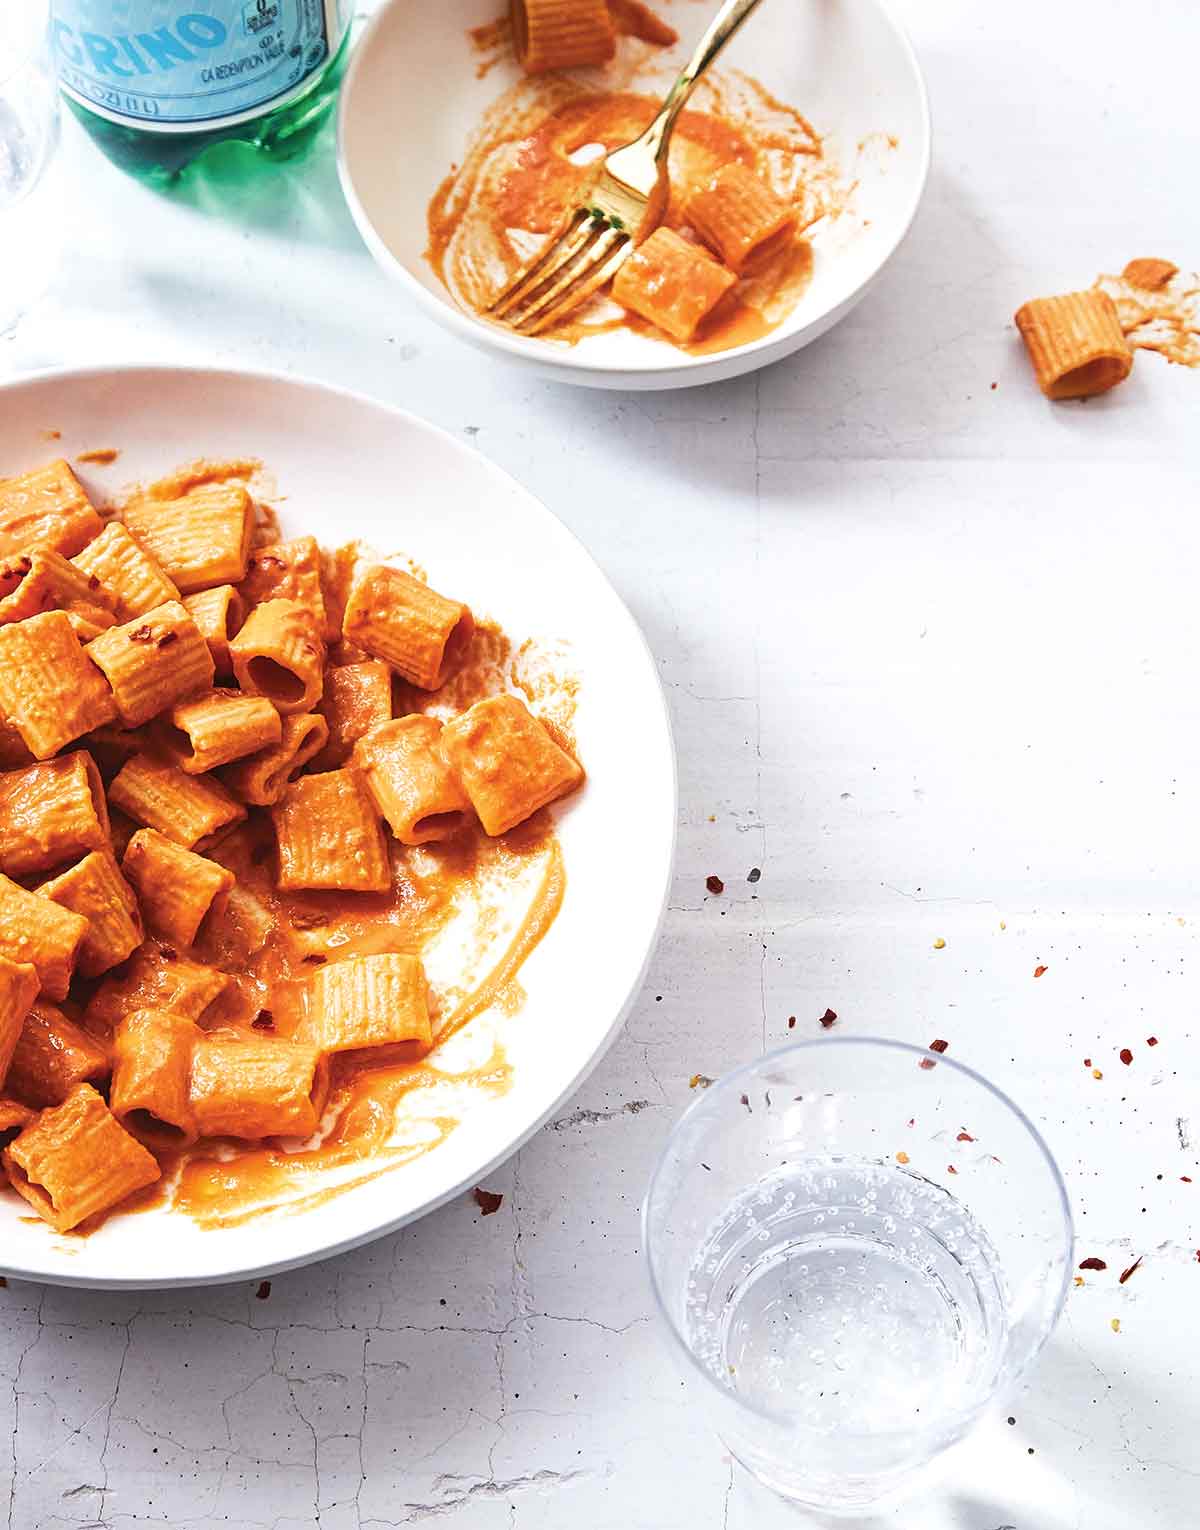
(412, 98)
(345, 467)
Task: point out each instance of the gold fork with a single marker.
(625, 203)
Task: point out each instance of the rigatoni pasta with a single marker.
(246, 1087)
(151, 1077)
(356, 697)
(738, 215)
(328, 833)
(1076, 343)
(43, 580)
(18, 989)
(76, 1161)
(218, 727)
(262, 778)
(50, 813)
(95, 889)
(14, 1118)
(50, 691)
(123, 567)
(218, 614)
(35, 931)
(175, 887)
(48, 508)
(410, 781)
(155, 977)
(287, 571)
(203, 903)
(51, 1057)
(187, 809)
(279, 654)
(561, 34)
(396, 618)
(200, 539)
(153, 660)
(507, 762)
(674, 284)
(367, 1001)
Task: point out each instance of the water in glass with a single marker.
(850, 1294)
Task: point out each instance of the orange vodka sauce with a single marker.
(534, 158)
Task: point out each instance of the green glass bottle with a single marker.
(158, 82)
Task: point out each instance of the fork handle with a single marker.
(722, 27)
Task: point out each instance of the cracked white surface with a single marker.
(931, 653)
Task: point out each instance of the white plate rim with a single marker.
(568, 365)
(98, 374)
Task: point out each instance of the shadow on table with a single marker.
(299, 200)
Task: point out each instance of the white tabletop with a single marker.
(933, 656)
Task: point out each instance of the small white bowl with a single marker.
(412, 99)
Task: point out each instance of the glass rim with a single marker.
(21, 46)
(737, 1077)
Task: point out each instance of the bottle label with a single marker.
(169, 64)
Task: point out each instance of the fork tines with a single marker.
(583, 257)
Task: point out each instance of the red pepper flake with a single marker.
(1125, 1055)
(307, 919)
(1151, 1041)
(1125, 1274)
(934, 1046)
(263, 1021)
(264, 1290)
(791, 1022)
(1092, 1264)
(487, 1201)
(964, 1137)
(714, 884)
(827, 1019)
(912, 1120)
(1087, 1062)
(93, 581)
(1185, 1179)
(142, 634)
(950, 1169)
(1038, 971)
(167, 639)
(745, 1100)
(316, 958)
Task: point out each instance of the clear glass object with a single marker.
(856, 1246)
(30, 209)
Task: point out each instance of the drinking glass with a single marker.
(856, 1245)
(30, 212)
